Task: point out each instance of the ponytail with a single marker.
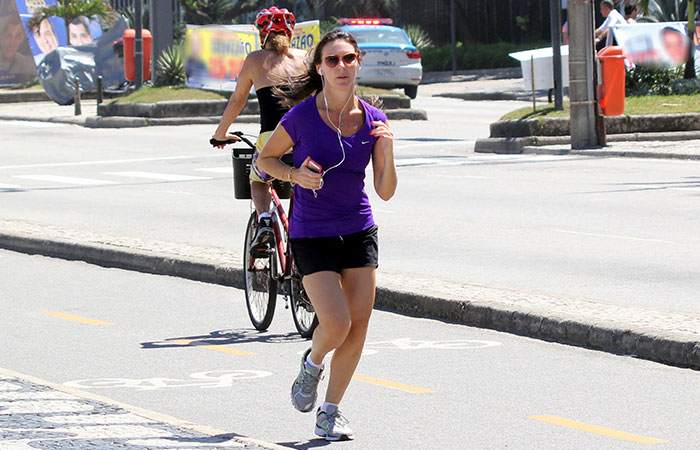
(279, 41)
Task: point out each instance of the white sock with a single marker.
(310, 364)
(263, 215)
(329, 408)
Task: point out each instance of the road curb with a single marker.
(597, 326)
(25, 96)
(561, 145)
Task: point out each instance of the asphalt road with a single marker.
(613, 230)
(187, 349)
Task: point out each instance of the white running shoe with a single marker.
(333, 427)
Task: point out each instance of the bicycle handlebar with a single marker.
(239, 134)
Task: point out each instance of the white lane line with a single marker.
(156, 176)
(475, 177)
(431, 161)
(9, 186)
(433, 144)
(31, 124)
(66, 180)
(112, 161)
(614, 236)
(226, 170)
(685, 189)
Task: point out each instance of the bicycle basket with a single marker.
(242, 158)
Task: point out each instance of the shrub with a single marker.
(170, 67)
(418, 36)
(685, 87)
(650, 80)
(474, 56)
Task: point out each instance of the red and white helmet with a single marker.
(275, 20)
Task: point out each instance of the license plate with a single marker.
(386, 73)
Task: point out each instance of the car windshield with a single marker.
(385, 36)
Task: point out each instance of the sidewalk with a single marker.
(39, 414)
(669, 337)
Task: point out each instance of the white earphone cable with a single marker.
(337, 128)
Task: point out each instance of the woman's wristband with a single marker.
(289, 175)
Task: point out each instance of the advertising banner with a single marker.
(663, 44)
(214, 54)
(16, 62)
(52, 33)
(58, 53)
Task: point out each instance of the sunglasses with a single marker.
(333, 60)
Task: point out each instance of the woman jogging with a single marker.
(333, 235)
(263, 69)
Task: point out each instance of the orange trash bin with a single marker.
(129, 37)
(612, 94)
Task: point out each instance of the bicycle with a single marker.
(264, 275)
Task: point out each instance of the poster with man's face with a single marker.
(16, 62)
(663, 44)
(52, 32)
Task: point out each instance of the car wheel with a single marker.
(411, 91)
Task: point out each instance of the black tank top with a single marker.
(271, 109)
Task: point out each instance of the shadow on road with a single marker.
(224, 337)
(303, 445)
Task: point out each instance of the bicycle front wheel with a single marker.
(260, 286)
(303, 312)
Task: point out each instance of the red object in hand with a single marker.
(314, 166)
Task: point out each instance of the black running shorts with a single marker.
(336, 253)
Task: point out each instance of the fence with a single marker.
(129, 4)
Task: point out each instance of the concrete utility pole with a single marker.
(453, 34)
(161, 24)
(555, 14)
(138, 44)
(581, 77)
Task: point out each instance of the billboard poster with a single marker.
(16, 62)
(661, 44)
(214, 54)
(52, 32)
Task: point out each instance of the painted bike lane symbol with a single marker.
(372, 348)
(416, 344)
(204, 380)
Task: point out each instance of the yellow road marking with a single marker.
(216, 348)
(76, 318)
(391, 384)
(595, 429)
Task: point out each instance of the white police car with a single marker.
(389, 58)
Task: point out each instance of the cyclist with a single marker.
(263, 69)
(332, 230)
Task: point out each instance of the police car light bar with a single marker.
(365, 21)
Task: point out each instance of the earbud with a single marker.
(319, 71)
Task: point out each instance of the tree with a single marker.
(670, 11)
(71, 10)
(205, 12)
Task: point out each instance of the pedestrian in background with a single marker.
(612, 18)
(333, 234)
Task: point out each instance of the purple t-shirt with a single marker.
(342, 206)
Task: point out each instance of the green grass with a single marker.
(33, 85)
(366, 90)
(158, 94)
(650, 104)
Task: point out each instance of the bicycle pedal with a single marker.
(263, 252)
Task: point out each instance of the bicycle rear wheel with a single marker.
(303, 312)
(260, 286)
